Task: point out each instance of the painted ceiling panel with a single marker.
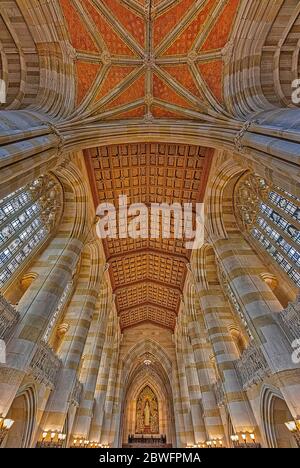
(157, 59)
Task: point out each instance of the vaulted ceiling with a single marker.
(148, 274)
(149, 58)
(145, 60)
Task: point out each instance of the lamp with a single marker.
(244, 443)
(5, 425)
(294, 428)
(84, 443)
(52, 439)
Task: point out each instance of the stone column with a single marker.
(184, 392)
(36, 310)
(102, 382)
(110, 395)
(30, 146)
(200, 435)
(242, 268)
(91, 364)
(202, 352)
(78, 316)
(178, 410)
(216, 315)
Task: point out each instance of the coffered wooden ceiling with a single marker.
(148, 275)
(149, 59)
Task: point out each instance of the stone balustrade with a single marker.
(8, 318)
(252, 367)
(45, 365)
(289, 320)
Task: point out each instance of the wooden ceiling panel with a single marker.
(147, 314)
(148, 274)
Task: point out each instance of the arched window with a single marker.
(272, 218)
(27, 217)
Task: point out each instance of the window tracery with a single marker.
(272, 218)
(27, 217)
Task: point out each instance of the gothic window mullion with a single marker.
(263, 223)
(270, 218)
(24, 226)
(15, 214)
(289, 252)
(20, 252)
(291, 215)
(26, 218)
(288, 230)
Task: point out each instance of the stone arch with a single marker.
(274, 412)
(23, 411)
(158, 376)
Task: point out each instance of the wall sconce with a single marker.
(294, 428)
(84, 443)
(52, 439)
(215, 443)
(244, 442)
(5, 425)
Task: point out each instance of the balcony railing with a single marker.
(8, 318)
(45, 365)
(252, 367)
(289, 320)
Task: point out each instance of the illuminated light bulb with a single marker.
(292, 426)
(53, 435)
(44, 435)
(8, 423)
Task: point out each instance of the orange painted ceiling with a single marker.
(146, 59)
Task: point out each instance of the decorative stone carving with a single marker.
(251, 192)
(149, 99)
(45, 365)
(8, 318)
(192, 57)
(270, 280)
(252, 367)
(219, 393)
(227, 52)
(289, 320)
(106, 58)
(238, 141)
(76, 394)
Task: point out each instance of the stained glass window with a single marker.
(272, 216)
(26, 219)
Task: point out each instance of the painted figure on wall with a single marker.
(147, 417)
